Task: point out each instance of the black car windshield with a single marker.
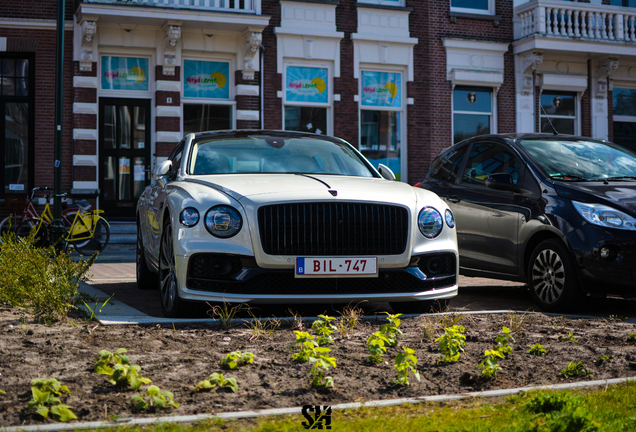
(272, 154)
(581, 160)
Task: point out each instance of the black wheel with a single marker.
(420, 307)
(10, 223)
(554, 285)
(171, 303)
(146, 279)
(29, 226)
(68, 216)
(98, 242)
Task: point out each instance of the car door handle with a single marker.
(453, 199)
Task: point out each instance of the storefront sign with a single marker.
(203, 79)
(124, 73)
(381, 89)
(307, 84)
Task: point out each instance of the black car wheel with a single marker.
(171, 304)
(554, 285)
(420, 307)
(146, 279)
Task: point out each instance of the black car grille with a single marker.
(333, 229)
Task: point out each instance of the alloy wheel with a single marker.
(548, 276)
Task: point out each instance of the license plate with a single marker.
(336, 266)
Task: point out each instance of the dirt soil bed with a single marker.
(176, 359)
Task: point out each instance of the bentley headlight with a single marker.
(450, 219)
(430, 222)
(223, 221)
(605, 216)
(189, 217)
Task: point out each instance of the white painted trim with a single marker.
(85, 185)
(286, 31)
(356, 98)
(474, 77)
(477, 45)
(33, 24)
(84, 160)
(163, 136)
(85, 82)
(247, 90)
(336, 98)
(573, 47)
(172, 86)
(247, 115)
(279, 94)
(84, 108)
(410, 101)
(85, 134)
(384, 38)
(169, 111)
(572, 83)
(625, 119)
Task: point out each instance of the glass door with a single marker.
(124, 153)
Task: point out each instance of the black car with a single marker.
(555, 211)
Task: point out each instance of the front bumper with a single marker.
(235, 278)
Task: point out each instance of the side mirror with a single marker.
(386, 172)
(501, 181)
(161, 171)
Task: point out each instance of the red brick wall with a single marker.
(272, 113)
(345, 112)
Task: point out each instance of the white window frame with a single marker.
(402, 111)
(577, 111)
(492, 113)
(399, 3)
(490, 11)
(328, 105)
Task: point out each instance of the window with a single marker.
(203, 117)
(384, 2)
(625, 117)
(306, 119)
(482, 7)
(447, 166)
(307, 99)
(489, 158)
(16, 123)
(472, 112)
(559, 109)
(626, 3)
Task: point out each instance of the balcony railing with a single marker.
(239, 6)
(575, 20)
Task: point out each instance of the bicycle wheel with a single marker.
(28, 226)
(68, 216)
(10, 223)
(98, 242)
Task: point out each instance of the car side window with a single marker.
(175, 157)
(446, 167)
(489, 158)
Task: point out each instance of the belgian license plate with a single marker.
(336, 266)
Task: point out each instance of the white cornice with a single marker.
(384, 38)
(307, 32)
(36, 24)
(476, 45)
(545, 44)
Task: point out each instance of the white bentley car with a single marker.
(287, 217)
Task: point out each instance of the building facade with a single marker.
(399, 79)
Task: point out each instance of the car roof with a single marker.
(242, 133)
(532, 136)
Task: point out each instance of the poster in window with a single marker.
(124, 73)
(307, 84)
(205, 79)
(381, 89)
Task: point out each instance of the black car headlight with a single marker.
(430, 222)
(223, 221)
(189, 217)
(605, 216)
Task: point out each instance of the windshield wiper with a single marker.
(568, 177)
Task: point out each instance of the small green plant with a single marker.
(575, 370)
(406, 362)
(321, 364)
(451, 344)
(308, 347)
(93, 309)
(537, 349)
(376, 344)
(225, 313)
(391, 330)
(349, 319)
(116, 366)
(262, 328)
(46, 401)
(515, 321)
(428, 329)
(216, 380)
(450, 319)
(569, 338)
(299, 323)
(631, 337)
(490, 363)
(323, 328)
(236, 358)
(502, 342)
(154, 399)
(558, 412)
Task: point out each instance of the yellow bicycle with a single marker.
(86, 230)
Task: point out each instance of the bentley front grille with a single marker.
(332, 229)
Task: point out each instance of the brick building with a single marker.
(399, 79)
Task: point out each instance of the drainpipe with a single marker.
(260, 66)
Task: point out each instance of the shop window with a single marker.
(560, 110)
(625, 117)
(307, 99)
(306, 119)
(472, 112)
(482, 7)
(203, 117)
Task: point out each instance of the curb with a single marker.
(296, 410)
